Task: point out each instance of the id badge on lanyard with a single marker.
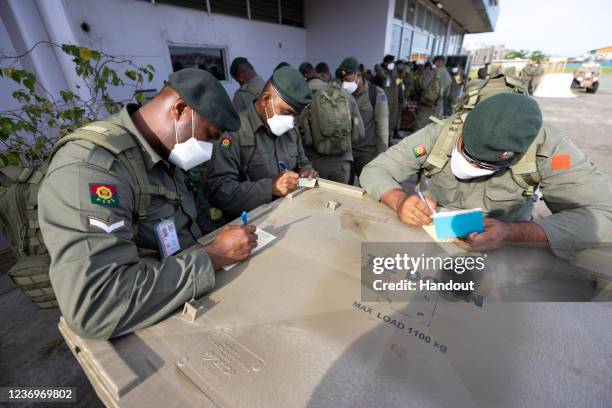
(167, 239)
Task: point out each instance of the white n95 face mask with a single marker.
(390, 66)
(191, 152)
(279, 124)
(462, 169)
(349, 87)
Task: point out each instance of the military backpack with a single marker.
(327, 124)
(19, 206)
(432, 92)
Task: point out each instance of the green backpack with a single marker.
(327, 124)
(19, 206)
(19, 223)
(433, 92)
(486, 88)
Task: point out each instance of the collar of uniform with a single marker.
(123, 118)
(254, 78)
(254, 118)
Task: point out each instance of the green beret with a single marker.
(291, 87)
(347, 67)
(500, 127)
(205, 95)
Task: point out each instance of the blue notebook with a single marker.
(458, 224)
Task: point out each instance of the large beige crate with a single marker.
(287, 328)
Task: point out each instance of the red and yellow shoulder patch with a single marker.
(419, 150)
(103, 194)
(561, 162)
(225, 142)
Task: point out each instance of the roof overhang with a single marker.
(475, 16)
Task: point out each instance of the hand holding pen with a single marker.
(285, 182)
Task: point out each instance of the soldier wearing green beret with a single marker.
(496, 160)
(116, 213)
(374, 110)
(264, 159)
(251, 84)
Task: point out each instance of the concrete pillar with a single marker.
(25, 28)
(61, 31)
(448, 29)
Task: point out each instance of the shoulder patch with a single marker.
(419, 150)
(383, 97)
(561, 162)
(225, 142)
(104, 194)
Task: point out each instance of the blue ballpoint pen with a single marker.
(283, 166)
(417, 188)
(245, 220)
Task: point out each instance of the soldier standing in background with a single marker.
(456, 89)
(313, 80)
(430, 92)
(323, 70)
(531, 75)
(374, 110)
(386, 77)
(251, 84)
(445, 78)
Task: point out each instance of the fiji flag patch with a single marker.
(225, 142)
(104, 194)
(419, 150)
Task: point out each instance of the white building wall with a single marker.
(142, 31)
(7, 87)
(336, 29)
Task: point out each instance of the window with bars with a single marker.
(292, 12)
(265, 10)
(236, 8)
(195, 4)
(287, 12)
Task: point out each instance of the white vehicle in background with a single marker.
(587, 77)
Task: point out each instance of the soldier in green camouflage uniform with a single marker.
(387, 78)
(374, 111)
(251, 84)
(494, 158)
(118, 218)
(531, 75)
